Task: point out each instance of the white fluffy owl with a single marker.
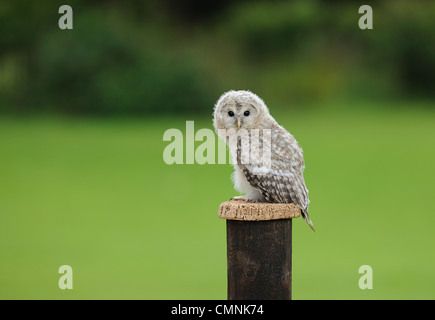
(277, 179)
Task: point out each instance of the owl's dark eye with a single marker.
(231, 114)
(247, 113)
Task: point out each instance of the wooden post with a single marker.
(259, 249)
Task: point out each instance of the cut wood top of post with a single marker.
(246, 211)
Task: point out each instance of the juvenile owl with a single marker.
(267, 159)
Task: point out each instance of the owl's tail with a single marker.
(307, 219)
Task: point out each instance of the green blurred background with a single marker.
(83, 112)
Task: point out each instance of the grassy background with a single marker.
(82, 117)
(96, 194)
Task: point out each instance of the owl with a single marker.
(276, 178)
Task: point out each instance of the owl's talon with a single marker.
(236, 198)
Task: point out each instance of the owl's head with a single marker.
(239, 109)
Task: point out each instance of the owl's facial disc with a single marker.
(236, 114)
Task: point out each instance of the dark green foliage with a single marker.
(105, 67)
(146, 57)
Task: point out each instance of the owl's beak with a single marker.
(239, 122)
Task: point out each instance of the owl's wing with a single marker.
(282, 181)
